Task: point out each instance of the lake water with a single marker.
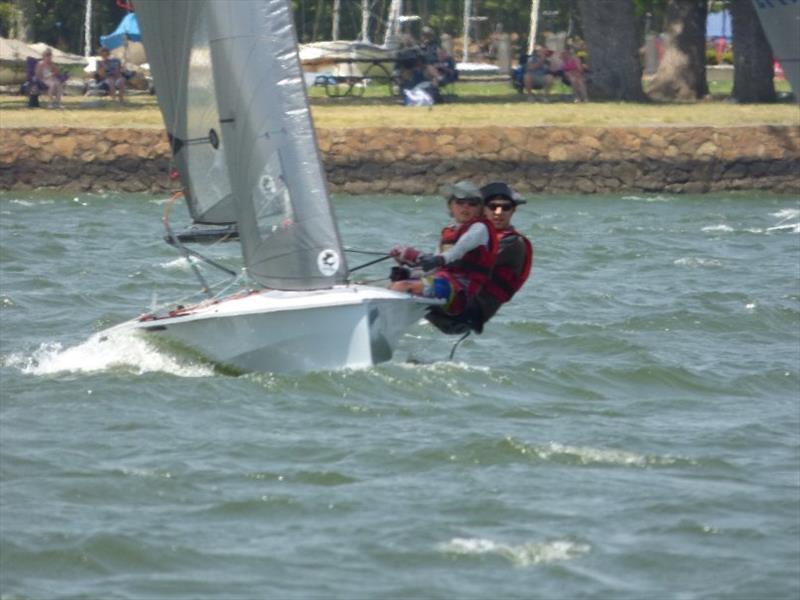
(629, 427)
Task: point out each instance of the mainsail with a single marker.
(253, 139)
(176, 41)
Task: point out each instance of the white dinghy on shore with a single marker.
(231, 92)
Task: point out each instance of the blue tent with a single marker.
(719, 25)
(128, 27)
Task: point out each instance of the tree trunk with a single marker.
(317, 19)
(26, 15)
(682, 72)
(752, 56)
(612, 41)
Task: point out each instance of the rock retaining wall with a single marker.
(418, 161)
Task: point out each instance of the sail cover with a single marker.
(286, 225)
(175, 35)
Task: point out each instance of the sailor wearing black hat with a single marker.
(511, 268)
(515, 252)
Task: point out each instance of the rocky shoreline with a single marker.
(418, 161)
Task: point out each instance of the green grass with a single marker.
(475, 104)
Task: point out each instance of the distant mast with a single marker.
(337, 8)
(365, 21)
(87, 30)
(534, 25)
(393, 24)
(467, 13)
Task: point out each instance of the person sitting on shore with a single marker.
(445, 65)
(48, 73)
(574, 72)
(110, 76)
(537, 73)
(466, 254)
(430, 53)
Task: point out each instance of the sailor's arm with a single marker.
(476, 235)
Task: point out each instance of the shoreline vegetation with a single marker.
(141, 112)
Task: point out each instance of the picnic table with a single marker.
(342, 83)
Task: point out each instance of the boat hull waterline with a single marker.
(287, 331)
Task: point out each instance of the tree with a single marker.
(752, 56)
(25, 13)
(682, 72)
(612, 40)
(60, 23)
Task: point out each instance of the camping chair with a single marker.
(32, 86)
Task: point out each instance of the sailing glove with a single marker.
(405, 255)
(429, 262)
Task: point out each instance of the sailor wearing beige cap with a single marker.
(464, 261)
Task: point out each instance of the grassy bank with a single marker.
(466, 110)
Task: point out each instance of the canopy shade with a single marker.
(127, 28)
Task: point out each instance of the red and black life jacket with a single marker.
(504, 281)
(476, 265)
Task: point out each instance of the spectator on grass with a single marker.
(48, 73)
(110, 76)
(537, 73)
(445, 65)
(574, 72)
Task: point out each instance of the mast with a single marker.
(337, 8)
(87, 30)
(467, 13)
(395, 10)
(534, 25)
(365, 20)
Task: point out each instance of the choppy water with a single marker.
(628, 428)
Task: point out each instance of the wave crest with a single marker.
(587, 456)
(522, 555)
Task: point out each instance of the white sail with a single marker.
(289, 236)
(175, 34)
(781, 23)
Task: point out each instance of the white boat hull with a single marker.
(279, 331)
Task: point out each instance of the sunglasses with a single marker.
(493, 206)
(468, 201)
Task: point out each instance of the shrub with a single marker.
(711, 57)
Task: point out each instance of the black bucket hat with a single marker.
(498, 188)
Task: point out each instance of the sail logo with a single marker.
(328, 262)
(267, 185)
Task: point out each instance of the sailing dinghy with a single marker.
(231, 92)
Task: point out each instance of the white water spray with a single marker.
(103, 352)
